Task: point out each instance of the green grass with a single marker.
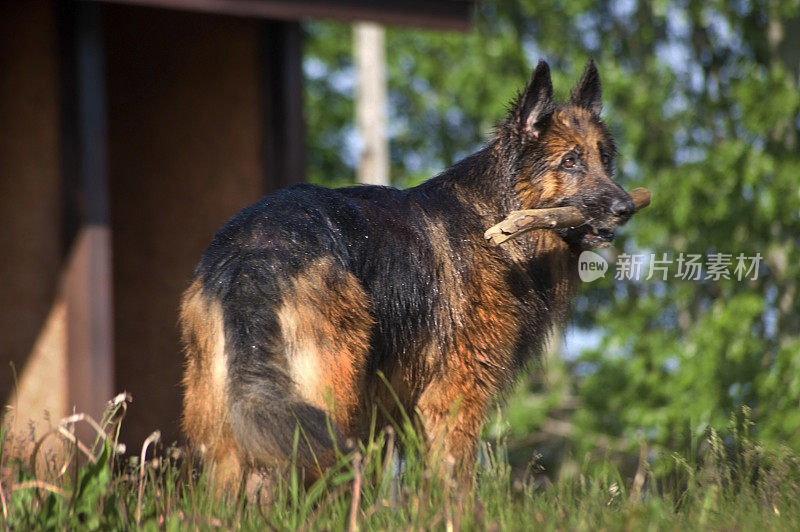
(729, 483)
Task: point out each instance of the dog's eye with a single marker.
(568, 162)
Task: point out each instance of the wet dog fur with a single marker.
(305, 298)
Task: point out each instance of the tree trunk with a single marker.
(368, 47)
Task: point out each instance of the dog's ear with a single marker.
(535, 105)
(588, 92)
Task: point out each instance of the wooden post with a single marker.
(282, 104)
(368, 48)
(87, 277)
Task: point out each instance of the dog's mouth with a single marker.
(588, 236)
(577, 227)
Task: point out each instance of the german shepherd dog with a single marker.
(310, 304)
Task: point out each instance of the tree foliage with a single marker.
(704, 101)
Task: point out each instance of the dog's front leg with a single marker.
(452, 414)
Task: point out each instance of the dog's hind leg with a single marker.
(205, 414)
(326, 326)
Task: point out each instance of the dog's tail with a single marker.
(274, 426)
(269, 419)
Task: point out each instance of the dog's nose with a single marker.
(622, 207)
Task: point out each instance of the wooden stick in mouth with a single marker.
(520, 222)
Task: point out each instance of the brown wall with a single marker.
(30, 209)
(185, 155)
